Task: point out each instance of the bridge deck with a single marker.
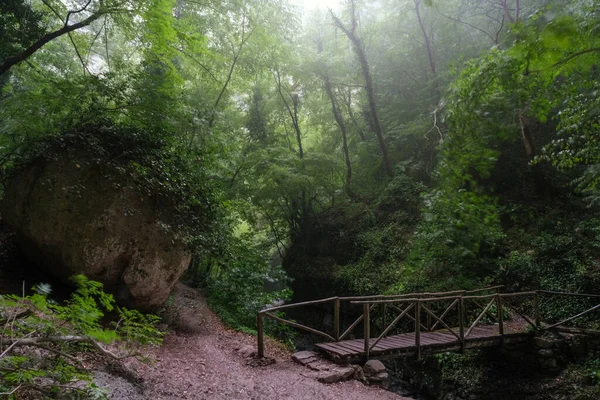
(403, 345)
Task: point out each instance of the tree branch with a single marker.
(575, 55)
(495, 40)
(77, 11)
(37, 341)
(83, 64)
(204, 67)
(236, 55)
(11, 61)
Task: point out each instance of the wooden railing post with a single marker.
(536, 306)
(428, 307)
(336, 319)
(500, 318)
(461, 323)
(418, 328)
(260, 334)
(383, 317)
(367, 328)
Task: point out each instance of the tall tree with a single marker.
(338, 119)
(359, 49)
(291, 101)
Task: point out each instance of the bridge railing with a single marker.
(565, 324)
(457, 312)
(451, 315)
(336, 302)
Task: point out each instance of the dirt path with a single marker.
(199, 361)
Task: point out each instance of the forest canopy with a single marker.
(372, 146)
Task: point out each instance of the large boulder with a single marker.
(74, 214)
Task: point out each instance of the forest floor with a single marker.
(199, 360)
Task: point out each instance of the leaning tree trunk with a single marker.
(292, 111)
(429, 48)
(359, 49)
(340, 122)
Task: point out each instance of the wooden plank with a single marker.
(341, 353)
(394, 343)
(406, 338)
(445, 339)
(397, 341)
(345, 345)
(390, 345)
(442, 338)
(355, 347)
(334, 349)
(342, 347)
(480, 331)
(386, 346)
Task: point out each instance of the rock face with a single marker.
(73, 216)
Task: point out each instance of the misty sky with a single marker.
(309, 4)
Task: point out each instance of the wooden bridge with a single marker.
(425, 323)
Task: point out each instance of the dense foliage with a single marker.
(379, 146)
(48, 344)
(146, 161)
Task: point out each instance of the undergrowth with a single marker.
(47, 346)
(235, 285)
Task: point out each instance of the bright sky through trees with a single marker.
(323, 4)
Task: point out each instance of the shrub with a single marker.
(44, 343)
(235, 284)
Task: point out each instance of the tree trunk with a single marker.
(429, 47)
(507, 14)
(527, 138)
(348, 101)
(236, 56)
(366, 71)
(292, 113)
(340, 122)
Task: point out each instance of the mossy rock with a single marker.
(77, 212)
